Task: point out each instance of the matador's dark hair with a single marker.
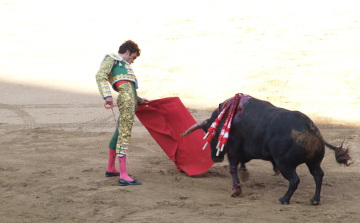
(129, 45)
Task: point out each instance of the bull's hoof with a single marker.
(283, 201)
(244, 175)
(313, 202)
(236, 192)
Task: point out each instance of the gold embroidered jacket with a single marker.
(113, 69)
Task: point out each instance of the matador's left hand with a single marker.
(144, 101)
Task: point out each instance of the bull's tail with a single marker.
(341, 154)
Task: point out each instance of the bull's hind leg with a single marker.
(275, 169)
(236, 190)
(318, 175)
(289, 173)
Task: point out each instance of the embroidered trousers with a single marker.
(127, 104)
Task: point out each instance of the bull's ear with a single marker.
(205, 127)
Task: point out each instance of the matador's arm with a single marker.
(102, 77)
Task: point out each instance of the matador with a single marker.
(115, 71)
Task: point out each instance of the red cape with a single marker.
(166, 119)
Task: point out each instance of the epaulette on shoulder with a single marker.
(114, 56)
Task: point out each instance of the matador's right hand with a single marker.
(109, 101)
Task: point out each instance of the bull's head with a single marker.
(204, 125)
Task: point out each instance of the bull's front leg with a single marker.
(236, 190)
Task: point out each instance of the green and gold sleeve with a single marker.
(102, 76)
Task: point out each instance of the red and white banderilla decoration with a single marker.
(231, 106)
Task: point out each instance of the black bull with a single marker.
(285, 138)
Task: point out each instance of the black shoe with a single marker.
(128, 183)
(109, 174)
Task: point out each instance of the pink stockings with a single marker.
(111, 164)
(123, 172)
(112, 171)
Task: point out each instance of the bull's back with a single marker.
(267, 130)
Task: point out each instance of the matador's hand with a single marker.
(109, 101)
(144, 101)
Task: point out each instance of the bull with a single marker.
(286, 138)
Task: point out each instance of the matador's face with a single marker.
(130, 57)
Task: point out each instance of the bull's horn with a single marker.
(193, 128)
